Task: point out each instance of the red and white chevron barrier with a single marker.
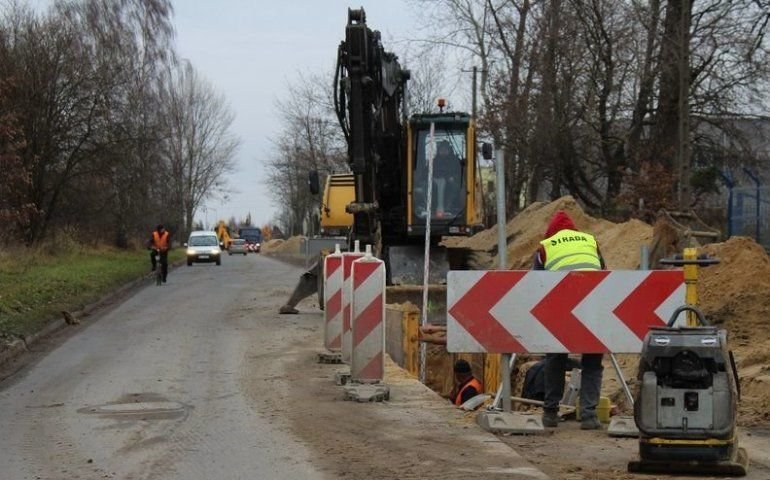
(558, 312)
(333, 300)
(368, 322)
(347, 286)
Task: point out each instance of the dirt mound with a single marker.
(736, 295)
(271, 245)
(619, 242)
(288, 246)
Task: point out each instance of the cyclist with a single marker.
(159, 242)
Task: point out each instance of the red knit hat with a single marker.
(560, 221)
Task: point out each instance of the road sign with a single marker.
(558, 312)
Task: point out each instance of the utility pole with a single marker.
(684, 152)
(474, 115)
(474, 105)
(474, 90)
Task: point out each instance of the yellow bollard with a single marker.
(410, 324)
(603, 410)
(491, 372)
(691, 285)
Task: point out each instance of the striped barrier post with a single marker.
(368, 317)
(347, 264)
(333, 300)
(332, 293)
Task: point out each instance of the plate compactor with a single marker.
(686, 407)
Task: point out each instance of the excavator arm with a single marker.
(369, 90)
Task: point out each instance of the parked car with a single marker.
(203, 246)
(238, 245)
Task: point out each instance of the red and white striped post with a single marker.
(347, 264)
(368, 310)
(333, 300)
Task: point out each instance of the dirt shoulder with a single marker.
(416, 434)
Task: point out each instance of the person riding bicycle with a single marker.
(159, 242)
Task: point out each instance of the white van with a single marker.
(203, 246)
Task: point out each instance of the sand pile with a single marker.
(619, 242)
(271, 245)
(289, 246)
(736, 295)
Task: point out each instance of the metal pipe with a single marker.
(505, 388)
(626, 390)
(502, 250)
(426, 259)
(499, 395)
(507, 360)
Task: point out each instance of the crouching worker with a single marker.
(466, 385)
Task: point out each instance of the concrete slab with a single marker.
(342, 377)
(622, 426)
(332, 358)
(516, 423)
(367, 392)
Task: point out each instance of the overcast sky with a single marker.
(249, 50)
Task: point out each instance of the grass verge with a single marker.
(36, 286)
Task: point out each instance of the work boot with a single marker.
(550, 419)
(288, 309)
(590, 423)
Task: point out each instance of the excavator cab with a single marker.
(453, 209)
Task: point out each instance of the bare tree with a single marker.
(310, 139)
(15, 177)
(74, 72)
(200, 148)
(586, 95)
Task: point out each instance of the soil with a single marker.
(735, 294)
(272, 245)
(290, 246)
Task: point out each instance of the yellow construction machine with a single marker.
(339, 192)
(223, 234)
(389, 153)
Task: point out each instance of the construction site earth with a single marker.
(202, 378)
(734, 295)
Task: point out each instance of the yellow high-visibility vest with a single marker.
(571, 250)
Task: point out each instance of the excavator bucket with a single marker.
(406, 265)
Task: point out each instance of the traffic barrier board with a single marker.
(558, 312)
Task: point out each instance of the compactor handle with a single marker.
(688, 308)
(703, 260)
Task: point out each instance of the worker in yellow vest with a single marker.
(566, 248)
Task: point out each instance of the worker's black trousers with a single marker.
(163, 263)
(590, 382)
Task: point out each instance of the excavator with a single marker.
(223, 234)
(388, 153)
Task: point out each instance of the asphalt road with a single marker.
(163, 386)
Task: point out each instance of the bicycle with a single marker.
(158, 268)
